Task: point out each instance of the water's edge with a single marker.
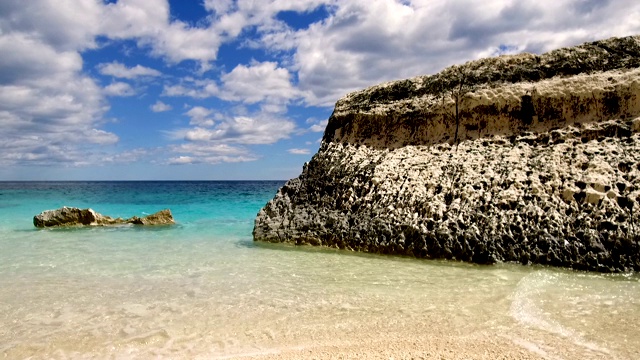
(204, 289)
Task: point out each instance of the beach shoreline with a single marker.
(202, 289)
(426, 347)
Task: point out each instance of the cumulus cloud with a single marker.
(127, 156)
(119, 70)
(317, 126)
(200, 116)
(199, 153)
(362, 43)
(246, 130)
(52, 111)
(299, 151)
(119, 89)
(96, 136)
(210, 149)
(226, 137)
(182, 160)
(263, 83)
(258, 82)
(231, 17)
(25, 58)
(159, 106)
(149, 22)
(63, 25)
(197, 89)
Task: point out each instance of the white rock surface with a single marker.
(544, 171)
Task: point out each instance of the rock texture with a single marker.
(526, 158)
(71, 216)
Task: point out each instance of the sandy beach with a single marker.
(426, 347)
(204, 290)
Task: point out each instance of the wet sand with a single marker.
(425, 347)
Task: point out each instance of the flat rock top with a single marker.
(599, 56)
(499, 96)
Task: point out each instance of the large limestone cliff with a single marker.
(526, 158)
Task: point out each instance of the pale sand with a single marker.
(432, 347)
(436, 342)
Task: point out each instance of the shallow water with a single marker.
(204, 289)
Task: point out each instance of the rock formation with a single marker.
(71, 216)
(525, 158)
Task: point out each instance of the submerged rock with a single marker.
(162, 217)
(525, 158)
(72, 216)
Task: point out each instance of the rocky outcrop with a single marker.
(71, 216)
(526, 158)
(503, 96)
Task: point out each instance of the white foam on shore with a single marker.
(526, 309)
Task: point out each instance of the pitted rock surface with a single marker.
(539, 164)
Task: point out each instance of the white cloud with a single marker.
(209, 153)
(232, 17)
(360, 44)
(258, 82)
(246, 130)
(65, 25)
(367, 42)
(198, 134)
(200, 116)
(264, 82)
(317, 126)
(77, 23)
(119, 70)
(210, 149)
(179, 42)
(182, 160)
(299, 151)
(219, 6)
(100, 137)
(199, 89)
(216, 138)
(25, 58)
(149, 22)
(119, 89)
(159, 106)
(227, 140)
(127, 156)
(50, 112)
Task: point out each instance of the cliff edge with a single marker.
(525, 158)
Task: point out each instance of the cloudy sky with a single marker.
(223, 89)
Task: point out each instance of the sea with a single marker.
(204, 289)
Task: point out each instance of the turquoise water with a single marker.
(204, 289)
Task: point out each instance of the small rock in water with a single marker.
(72, 216)
(162, 217)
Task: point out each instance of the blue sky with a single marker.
(223, 89)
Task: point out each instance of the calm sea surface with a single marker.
(204, 289)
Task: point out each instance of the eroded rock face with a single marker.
(71, 216)
(505, 96)
(541, 165)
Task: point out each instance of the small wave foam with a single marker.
(526, 309)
